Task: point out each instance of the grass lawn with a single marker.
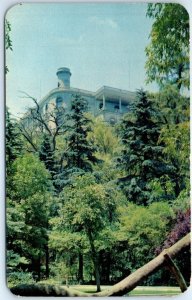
(158, 291)
(138, 291)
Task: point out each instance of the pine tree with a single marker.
(142, 156)
(80, 151)
(46, 155)
(56, 170)
(13, 141)
(13, 150)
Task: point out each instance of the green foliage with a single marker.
(28, 212)
(141, 233)
(8, 42)
(76, 153)
(174, 135)
(182, 202)
(87, 220)
(19, 277)
(46, 154)
(85, 205)
(142, 155)
(15, 223)
(63, 240)
(64, 273)
(15, 273)
(14, 260)
(13, 142)
(104, 137)
(173, 106)
(30, 177)
(162, 188)
(80, 151)
(177, 148)
(168, 51)
(176, 139)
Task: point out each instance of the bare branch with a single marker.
(26, 135)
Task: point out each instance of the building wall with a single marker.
(112, 112)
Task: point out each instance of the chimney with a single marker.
(64, 75)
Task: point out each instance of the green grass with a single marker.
(153, 293)
(138, 291)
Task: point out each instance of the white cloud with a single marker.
(104, 22)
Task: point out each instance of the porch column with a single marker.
(103, 102)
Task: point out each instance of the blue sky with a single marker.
(102, 44)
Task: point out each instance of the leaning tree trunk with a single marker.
(119, 289)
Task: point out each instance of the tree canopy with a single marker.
(168, 51)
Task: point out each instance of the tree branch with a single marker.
(176, 272)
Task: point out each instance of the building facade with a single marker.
(109, 102)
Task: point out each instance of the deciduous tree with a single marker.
(168, 51)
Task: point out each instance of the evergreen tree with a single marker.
(142, 156)
(13, 141)
(46, 155)
(13, 150)
(80, 151)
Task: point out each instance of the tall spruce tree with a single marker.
(142, 156)
(80, 152)
(14, 147)
(46, 154)
(13, 140)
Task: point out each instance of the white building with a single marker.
(110, 102)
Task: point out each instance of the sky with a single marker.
(101, 43)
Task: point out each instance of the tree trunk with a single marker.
(97, 275)
(80, 271)
(119, 289)
(95, 260)
(108, 267)
(47, 261)
(179, 73)
(39, 268)
(105, 264)
(177, 187)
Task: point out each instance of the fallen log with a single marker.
(119, 289)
